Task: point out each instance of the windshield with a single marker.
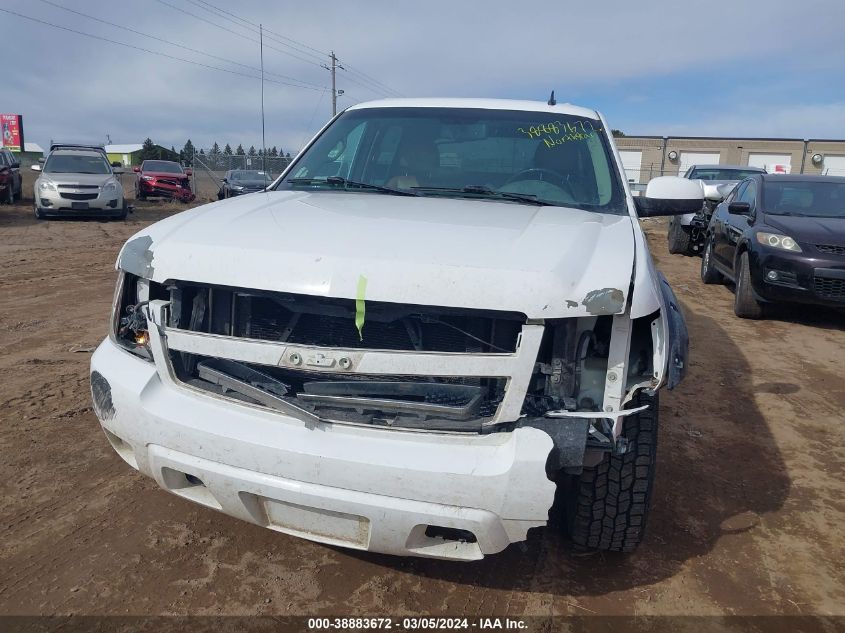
(76, 164)
(811, 198)
(249, 175)
(723, 174)
(516, 156)
(165, 166)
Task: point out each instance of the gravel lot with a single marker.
(748, 516)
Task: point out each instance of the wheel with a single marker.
(746, 305)
(10, 193)
(679, 239)
(608, 504)
(38, 214)
(123, 211)
(19, 195)
(139, 195)
(709, 274)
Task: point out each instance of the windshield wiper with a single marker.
(481, 190)
(340, 180)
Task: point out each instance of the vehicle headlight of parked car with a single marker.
(147, 177)
(110, 186)
(46, 185)
(776, 240)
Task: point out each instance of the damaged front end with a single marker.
(419, 368)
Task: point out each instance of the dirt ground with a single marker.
(748, 517)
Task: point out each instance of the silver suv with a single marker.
(78, 181)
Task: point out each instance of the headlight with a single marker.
(110, 186)
(147, 177)
(237, 187)
(46, 185)
(776, 240)
(129, 322)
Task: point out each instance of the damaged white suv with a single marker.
(441, 312)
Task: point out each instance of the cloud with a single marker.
(69, 86)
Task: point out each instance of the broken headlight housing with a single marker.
(129, 327)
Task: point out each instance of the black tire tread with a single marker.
(746, 305)
(609, 503)
(679, 239)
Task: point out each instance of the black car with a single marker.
(779, 238)
(10, 177)
(240, 181)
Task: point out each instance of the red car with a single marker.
(163, 179)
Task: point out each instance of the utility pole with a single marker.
(263, 142)
(333, 69)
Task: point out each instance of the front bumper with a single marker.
(806, 277)
(54, 203)
(363, 488)
(166, 190)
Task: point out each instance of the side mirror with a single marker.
(116, 163)
(136, 169)
(36, 168)
(189, 172)
(739, 208)
(669, 195)
(16, 165)
(225, 180)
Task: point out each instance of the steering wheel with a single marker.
(536, 173)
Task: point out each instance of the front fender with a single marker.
(677, 337)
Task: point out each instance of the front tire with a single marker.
(608, 504)
(746, 305)
(709, 274)
(679, 239)
(38, 214)
(10, 193)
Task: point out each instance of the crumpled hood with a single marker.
(165, 174)
(544, 262)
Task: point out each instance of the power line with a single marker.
(268, 33)
(187, 48)
(152, 52)
(364, 80)
(241, 35)
(372, 80)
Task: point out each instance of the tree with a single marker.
(617, 133)
(273, 152)
(260, 153)
(187, 152)
(240, 150)
(287, 155)
(202, 152)
(227, 150)
(215, 150)
(251, 151)
(149, 150)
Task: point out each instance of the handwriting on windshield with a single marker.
(557, 133)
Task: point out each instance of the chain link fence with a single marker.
(210, 169)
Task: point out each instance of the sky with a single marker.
(767, 68)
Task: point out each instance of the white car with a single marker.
(687, 231)
(78, 180)
(443, 310)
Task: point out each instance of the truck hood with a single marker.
(544, 262)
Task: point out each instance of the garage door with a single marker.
(632, 161)
(834, 165)
(772, 163)
(688, 159)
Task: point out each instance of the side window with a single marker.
(734, 195)
(749, 194)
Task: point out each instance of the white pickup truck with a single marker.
(440, 313)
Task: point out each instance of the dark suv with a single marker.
(779, 238)
(10, 177)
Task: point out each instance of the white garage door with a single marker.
(632, 161)
(772, 163)
(688, 159)
(834, 165)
